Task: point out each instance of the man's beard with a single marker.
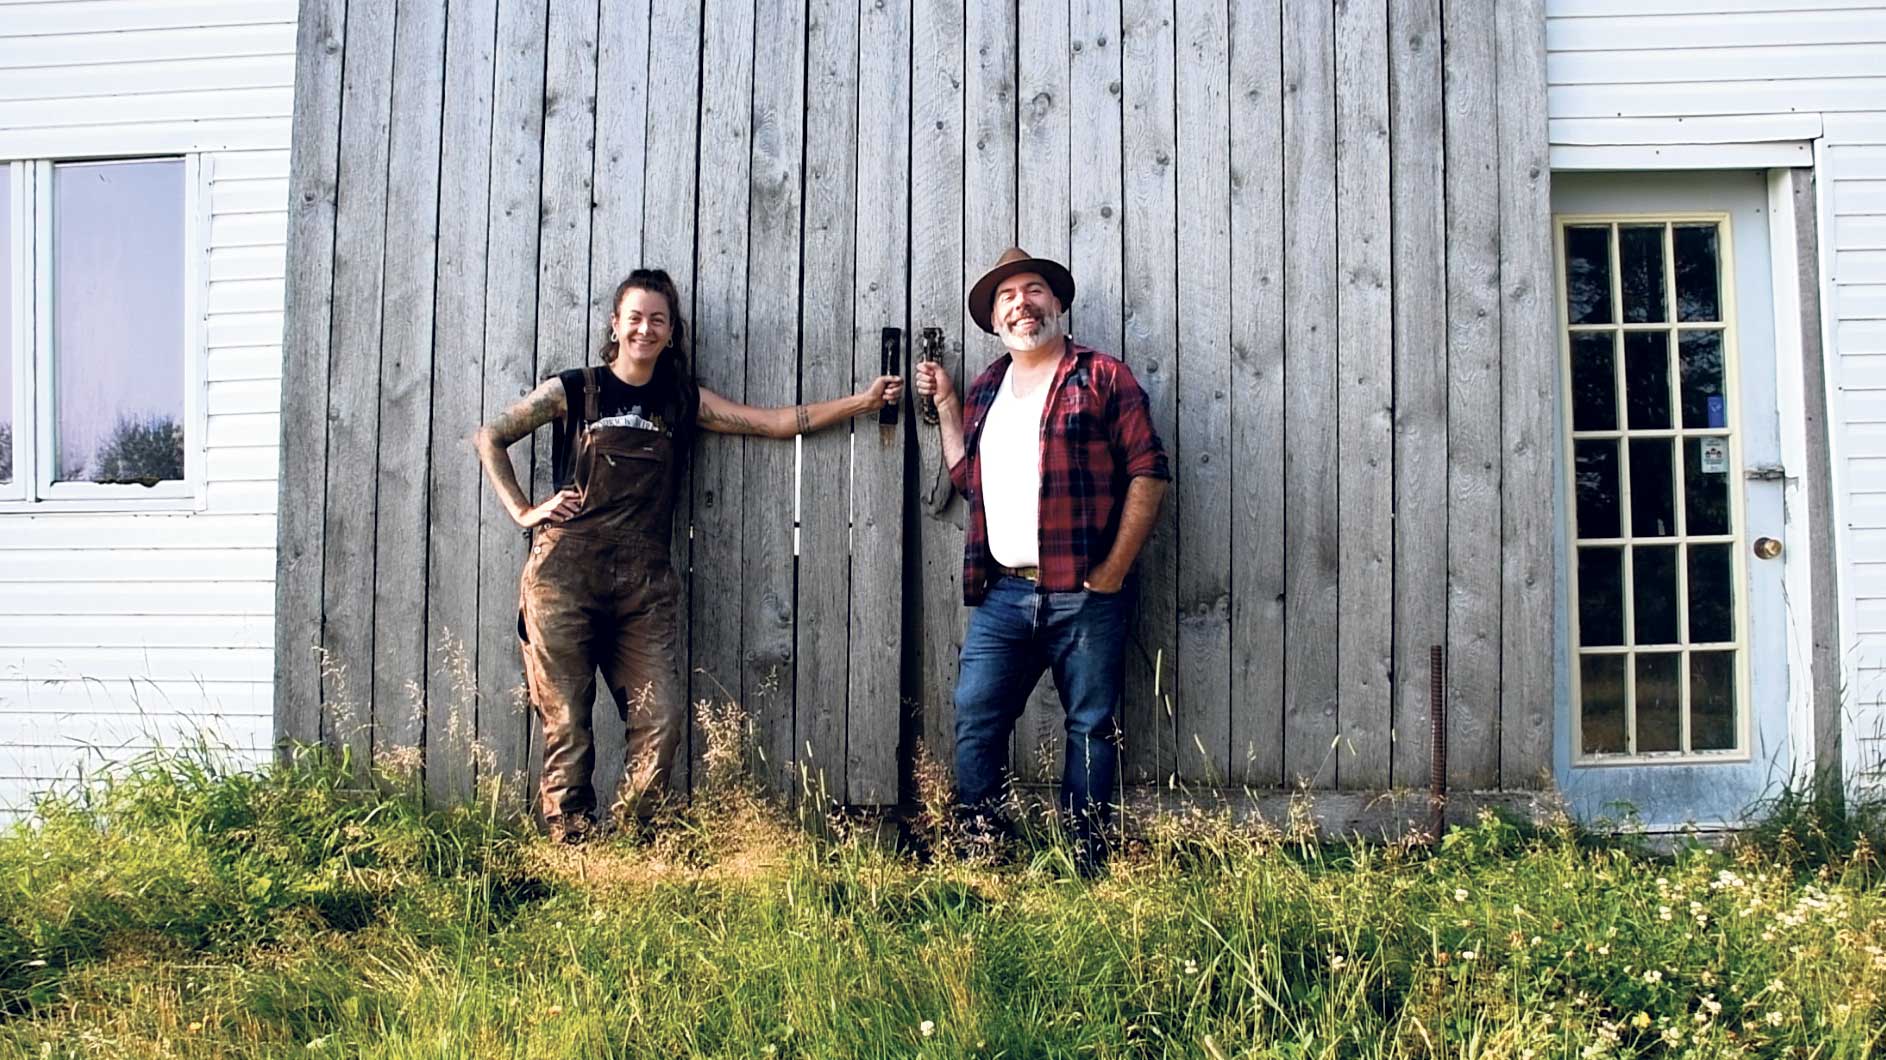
(1049, 330)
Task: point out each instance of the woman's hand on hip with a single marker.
(553, 509)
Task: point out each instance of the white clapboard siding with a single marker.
(124, 630)
(1653, 73)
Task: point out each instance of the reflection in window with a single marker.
(117, 321)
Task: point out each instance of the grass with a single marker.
(188, 910)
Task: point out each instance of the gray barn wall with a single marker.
(1317, 231)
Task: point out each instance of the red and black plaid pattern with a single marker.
(1096, 434)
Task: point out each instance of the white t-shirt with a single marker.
(1011, 473)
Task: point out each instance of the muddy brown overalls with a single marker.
(598, 591)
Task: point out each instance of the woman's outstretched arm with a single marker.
(727, 416)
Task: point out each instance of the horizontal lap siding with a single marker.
(125, 630)
(1725, 71)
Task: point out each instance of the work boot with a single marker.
(570, 829)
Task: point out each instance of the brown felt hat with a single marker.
(1012, 261)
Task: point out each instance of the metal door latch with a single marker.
(1766, 473)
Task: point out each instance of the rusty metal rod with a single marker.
(1437, 742)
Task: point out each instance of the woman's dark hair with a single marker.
(673, 371)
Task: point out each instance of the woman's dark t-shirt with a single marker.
(650, 407)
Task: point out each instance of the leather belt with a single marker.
(1032, 574)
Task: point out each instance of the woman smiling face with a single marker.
(643, 323)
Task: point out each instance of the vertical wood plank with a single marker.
(1097, 249)
(720, 316)
(1420, 322)
(934, 612)
(517, 129)
(772, 378)
(989, 208)
(563, 284)
(1528, 341)
(412, 224)
(668, 232)
(1203, 446)
(1311, 537)
(457, 401)
(615, 221)
(1149, 146)
(1365, 351)
(1042, 215)
(883, 291)
(314, 176)
(354, 382)
(1257, 394)
(1473, 395)
(824, 644)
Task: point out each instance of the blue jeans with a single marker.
(1016, 633)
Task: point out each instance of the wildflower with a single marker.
(1652, 976)
(1191, 966)
(1604, 950)
(1710, 1003)
(927, 1027)
(1641, 1021)
(1336, 963)
(1672, 1036)
(1708, 977)
(196, 1027)
(1460, 894)
(1468, 955)
(1663, 912)
(1774, 1019)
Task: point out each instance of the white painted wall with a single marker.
(122, 629)
(1760, 83)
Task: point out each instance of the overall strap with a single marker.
(592, 395)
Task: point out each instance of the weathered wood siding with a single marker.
(1315, 229)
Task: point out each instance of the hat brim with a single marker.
(982, 295)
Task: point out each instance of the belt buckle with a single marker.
(1029, 574)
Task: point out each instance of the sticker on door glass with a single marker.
(1718, 411)
(1715, 456)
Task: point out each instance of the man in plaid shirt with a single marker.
(1063, 474)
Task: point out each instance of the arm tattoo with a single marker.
(724, 422)
(805, 419)
(539, 407)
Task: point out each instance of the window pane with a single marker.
(117, 319)
(1594, 382)
(1659, 699)
(1712, 594)
(6, 325)
(1704, 405)
(1712, 701)
(1653, 488)
(1601, 681)
(1653, 574)
(1588, 275)
(1647, 378)
(1600, 596)
(1698, 294)
(1596, 475)
(1640, 262)
(1706, 485)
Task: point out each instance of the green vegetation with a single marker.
(189, 910)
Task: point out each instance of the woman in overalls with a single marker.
(598, 589)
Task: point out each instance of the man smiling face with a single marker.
(1026, 314)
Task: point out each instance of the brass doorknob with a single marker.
(1767, 548)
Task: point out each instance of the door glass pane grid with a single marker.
(1663, 422)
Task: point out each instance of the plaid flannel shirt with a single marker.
(1096, 434)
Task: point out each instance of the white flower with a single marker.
(1336, 962)
(1653, 977)
(1460, 894)
(928, 1027)
(1774, 1018)
(1468, 955)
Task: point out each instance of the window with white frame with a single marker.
(1657, 587)
(97, 307)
